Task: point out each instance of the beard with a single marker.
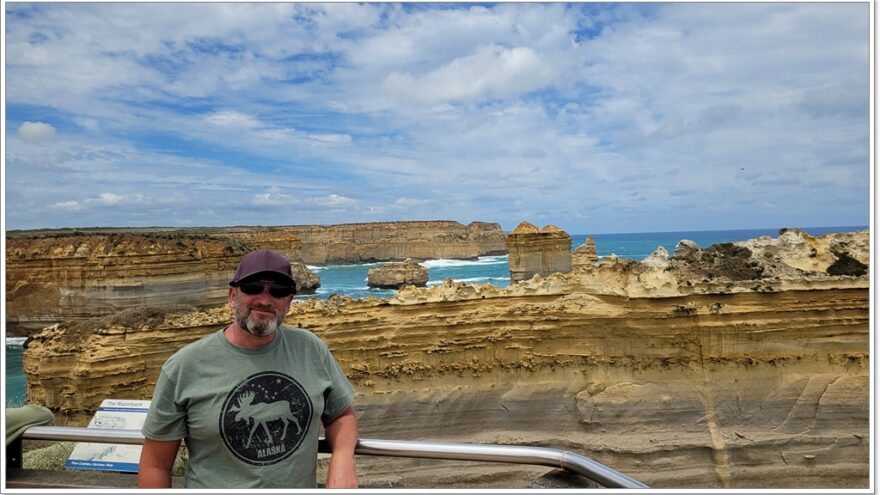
(255, 326)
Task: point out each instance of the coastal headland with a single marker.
(73, 274)
(731, 366)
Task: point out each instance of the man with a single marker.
(247, 399)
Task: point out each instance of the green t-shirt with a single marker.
(250, 417)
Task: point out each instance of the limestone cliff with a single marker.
(537, 252)
(674, 377)
(53, 276)
(383, 241)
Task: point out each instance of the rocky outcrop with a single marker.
(687, 250)
(585, 254)
(53, 276)
(679, 382)
(397, 275)
(307, 281)
(659, 259)
(537, 252)
(800, 250)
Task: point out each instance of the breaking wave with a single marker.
(449, 263)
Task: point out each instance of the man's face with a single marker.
(259, 314)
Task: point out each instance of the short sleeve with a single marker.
(166, 419)
(338, 396)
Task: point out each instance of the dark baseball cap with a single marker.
(263, 261)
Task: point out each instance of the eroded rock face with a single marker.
(687, 249)
(802, 251)
(659, 259)
(677, 382)
(397, 275)
(537, 252)
(728, 261)
(307, 281)
(585, 254)
(53, 276)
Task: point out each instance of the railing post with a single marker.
(13, 454)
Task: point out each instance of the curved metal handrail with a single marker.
(514, 454)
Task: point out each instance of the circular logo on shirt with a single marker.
(265, 418)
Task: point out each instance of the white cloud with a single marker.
(274, 197)
(278, 104)
(70, 205)
(491, 71)
(87, 123)
(107, 199)
(102, 200)
(332, 201)
(413, 202)
(331, 138)
(35, 131)
(230, 118)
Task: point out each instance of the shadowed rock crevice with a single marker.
(847, 265)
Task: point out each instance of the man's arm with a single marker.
(157, 459)
(342, 436)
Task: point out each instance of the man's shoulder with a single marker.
(303, 339)
(299, 334)
(197, 347)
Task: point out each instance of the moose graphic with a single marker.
(262, 413)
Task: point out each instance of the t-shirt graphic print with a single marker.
(265, 418)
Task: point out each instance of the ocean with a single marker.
(351, 280)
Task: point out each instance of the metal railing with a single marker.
(540, 456)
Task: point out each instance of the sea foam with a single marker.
(449, 263)
(471, 280)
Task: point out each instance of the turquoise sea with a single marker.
(351, 280)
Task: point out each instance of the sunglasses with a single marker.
(276, 289)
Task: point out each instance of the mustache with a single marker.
(261, 307)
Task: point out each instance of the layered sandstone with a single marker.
(585, 254)
(537, 252)
(53, 276)
(381, 241)
(755, 376)
(397, 275)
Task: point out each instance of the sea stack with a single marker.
(307, 282)
(542, 252)
(585, 254)
(396, 275)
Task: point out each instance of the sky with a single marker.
(596, 118)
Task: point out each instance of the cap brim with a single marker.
(277, 275)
